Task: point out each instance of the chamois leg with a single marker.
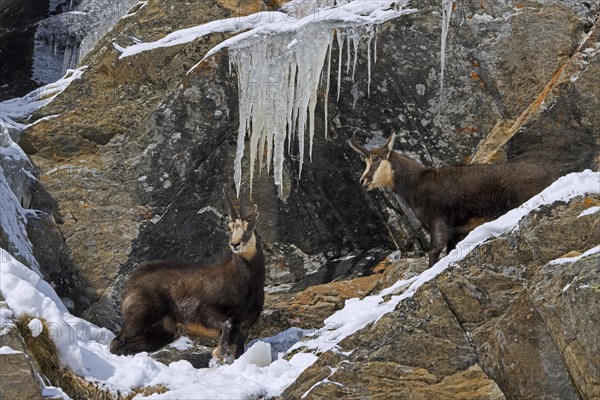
(237, 340)
(453, 241)
(222, 353)
(439, 239)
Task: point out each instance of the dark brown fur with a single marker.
(451, 201)
(167, 298)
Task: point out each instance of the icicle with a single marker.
(291, 94)
(375, 50)
(356, 42)
(340, 40)
(289, 65)
(369, 61)
(349, 51)
(447, 6)
(326, 100)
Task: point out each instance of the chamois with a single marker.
(167, 298)
(450, 201)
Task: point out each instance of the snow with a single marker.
(19, 108)
(589, 211)
(6, 319)
(187, 35)
(35, 326)
(13, 220)
(182, 344)
(283, 341)
(9, 350)
(569, 260)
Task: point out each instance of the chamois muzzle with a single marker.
(365, 181)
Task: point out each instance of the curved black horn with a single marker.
(242, 210)
(357, 147)
(232, 213)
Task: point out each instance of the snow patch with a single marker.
(182, 344)
(35, 326)
(589, 211)
(6, 319)
(13, 220)
(283, 341)
(570, 260)
(20, 108)
(9, 350)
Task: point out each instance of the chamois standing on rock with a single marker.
(451, 201)
(165, 299)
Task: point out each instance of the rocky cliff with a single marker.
(505, 322)
(132, 162)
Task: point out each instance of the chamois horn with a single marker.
(357, 146)
(242, 210)
(232, 213)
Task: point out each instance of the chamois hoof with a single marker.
(222, 359)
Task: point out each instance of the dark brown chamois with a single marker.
(451, 201)
(165, 299)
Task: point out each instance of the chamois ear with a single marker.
(390, 144)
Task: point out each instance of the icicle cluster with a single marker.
(279, 76)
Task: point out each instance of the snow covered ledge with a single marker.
(357, 314)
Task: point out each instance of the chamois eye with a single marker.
(375, 158)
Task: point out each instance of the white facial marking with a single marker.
(383, 176)
(243, 249)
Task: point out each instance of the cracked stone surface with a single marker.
(502, 323)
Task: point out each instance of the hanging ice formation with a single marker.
(281, 66)
(447, 6)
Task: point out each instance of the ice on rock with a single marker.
(64, 38)
(279, 58)
(280, 66)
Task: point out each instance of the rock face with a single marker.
(505, 322)
(19, 373)
(133, 163)
(136, 161)
(17, 31)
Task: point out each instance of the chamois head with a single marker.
(242, 238)
(378, 171)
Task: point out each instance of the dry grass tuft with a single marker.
(45, 353)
